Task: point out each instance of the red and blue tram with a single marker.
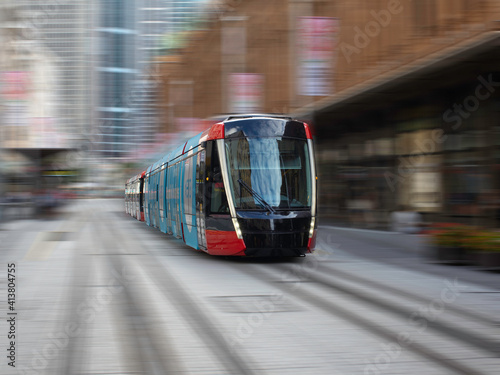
(134, 196)
(244, 187)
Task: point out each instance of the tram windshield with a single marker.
(269, 173)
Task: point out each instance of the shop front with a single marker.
(426, 142)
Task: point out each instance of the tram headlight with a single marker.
(311, 229)
(237, 228)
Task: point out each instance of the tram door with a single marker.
(146, 199)
(161, 199)
(200, 198)
(141, 198)
(177, 192)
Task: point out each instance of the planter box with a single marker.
(474, 257)
(489, 260)
(451, 255)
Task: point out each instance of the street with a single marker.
(93, 291)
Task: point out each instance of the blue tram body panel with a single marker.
(189, 191)
(169, 197)
(243, 187)
(175, 201)
(173, 176)
(163, 194)
(156, 196)
(171, 201)
(188, 206)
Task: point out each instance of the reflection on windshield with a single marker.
(265, 157)
(275, 169)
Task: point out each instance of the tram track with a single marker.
(177, 295)
(153, 352)
(455, 309)
(135, 349)
(335, 284)
(342, 294)
(71, 361)
(301, 288)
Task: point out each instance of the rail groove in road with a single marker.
(337, 272)
(153, 349)
(370, 325)
(71, 361)
(139, 355)
(235, 363)
(337, 293)
(480, 342)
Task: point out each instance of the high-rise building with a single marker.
(161, 22)
(58, 34)
(131, 34)
(162, 26)
(102, 50)
(116, 72)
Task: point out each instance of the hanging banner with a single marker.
(15, 115)
(245, 92)
(317, 47)
(14, 85)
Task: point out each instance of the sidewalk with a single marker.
(407, 251)
(415, 243)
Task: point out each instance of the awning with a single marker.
(38, 153)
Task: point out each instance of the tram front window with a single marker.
(269, 173)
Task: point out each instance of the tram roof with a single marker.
(253, 115)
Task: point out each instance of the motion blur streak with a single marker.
(401, 99)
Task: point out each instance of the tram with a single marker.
(134, 196)
(244, 187)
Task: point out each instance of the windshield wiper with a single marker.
(256, 195)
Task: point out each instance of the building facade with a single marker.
(402, 95)
(116, 70)
(45, 85)
(162, 25)
(53, 38)
(132, 34)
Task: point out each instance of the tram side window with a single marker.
(218, 199)
(141, 195)
(200, 179)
